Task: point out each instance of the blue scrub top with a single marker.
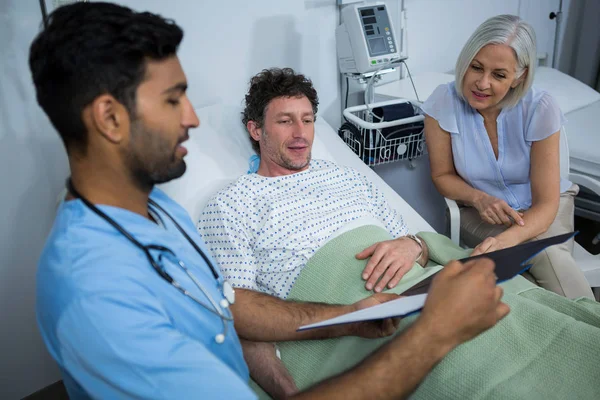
(115, 327)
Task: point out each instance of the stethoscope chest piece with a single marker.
(228, 292)
(220, 338)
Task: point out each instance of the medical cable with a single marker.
(347, 91)
(226, 289)
(368, 89)
(372, 81)
(346, 102)
(411, 80)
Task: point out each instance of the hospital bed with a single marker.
(581, 106)
(219, 150)
(580, 157)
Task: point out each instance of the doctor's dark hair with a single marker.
(91, 49)
(270, 84)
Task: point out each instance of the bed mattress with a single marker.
(583, 132)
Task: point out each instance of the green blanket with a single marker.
(548, 347)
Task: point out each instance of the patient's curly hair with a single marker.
(270, 84)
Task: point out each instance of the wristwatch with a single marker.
(419, 242)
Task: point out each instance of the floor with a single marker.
(56, 391)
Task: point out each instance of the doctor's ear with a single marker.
(108, 117)
(254, 129)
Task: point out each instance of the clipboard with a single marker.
(509, 262)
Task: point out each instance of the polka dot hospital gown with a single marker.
(262, 231)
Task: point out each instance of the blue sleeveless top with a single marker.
(535, 117)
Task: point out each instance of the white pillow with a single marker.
(218, 153)
(570, 93)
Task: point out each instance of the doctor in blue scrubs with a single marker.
(129, 303)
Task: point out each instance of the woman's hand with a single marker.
(488, 245)
(497, 212)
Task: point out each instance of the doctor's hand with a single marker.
(390, 261)
(378, 328)
(497, 212)
(462, 302)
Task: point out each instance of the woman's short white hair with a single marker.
(511, 31)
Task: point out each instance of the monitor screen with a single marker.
(377, 46)
(369, 20)
(367, 12)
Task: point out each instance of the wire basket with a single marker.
(377, 141)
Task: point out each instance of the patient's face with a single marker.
(490, 76)
(287, 136)
(164, 115)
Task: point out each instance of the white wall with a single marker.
(226, 42)
(437, 29)
(32, 169)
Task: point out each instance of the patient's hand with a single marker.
(390, 260)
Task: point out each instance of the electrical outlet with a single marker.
(59, 3)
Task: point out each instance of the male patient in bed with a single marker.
(265, 228)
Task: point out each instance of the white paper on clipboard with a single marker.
(395, 308)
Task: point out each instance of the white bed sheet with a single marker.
(219, 150)
(581, 106)
(583, 132)
(570, 94)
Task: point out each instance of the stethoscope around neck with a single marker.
(226, 289)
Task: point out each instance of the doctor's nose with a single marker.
(189, 119)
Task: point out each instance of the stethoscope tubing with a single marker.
(216, 309)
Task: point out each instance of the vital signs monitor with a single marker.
(365, 39)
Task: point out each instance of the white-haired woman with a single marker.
(493, 144)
